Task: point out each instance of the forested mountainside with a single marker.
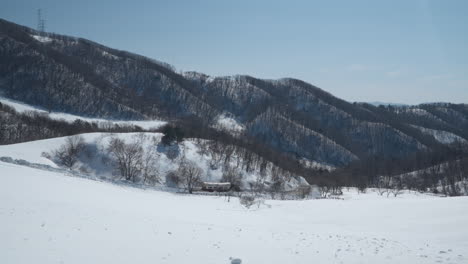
(287, 116)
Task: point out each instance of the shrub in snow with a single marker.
(83, 170)
(247, 200)
(46, 155)
(67, 154)
(324, 191)
(172, 152)
(172, 179)
(236, 261)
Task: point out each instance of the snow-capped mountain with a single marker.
(77, 76)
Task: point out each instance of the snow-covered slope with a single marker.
(22, 107)
(47, 217)
(42, 39)
(94, 161)
(225, 123)
(443, 137)
(78, 76)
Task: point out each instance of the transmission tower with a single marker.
(40, 21)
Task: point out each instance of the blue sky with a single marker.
(410, 51)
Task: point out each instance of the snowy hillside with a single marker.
(443, 137)
(96, 162)
(228, 124)
(47, 217)
(78, 76)
(22, 107)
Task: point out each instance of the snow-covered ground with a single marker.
(316, 165)
(47, 217)
(42, 39)
(168, 158)
(229, 124)
(22, 107)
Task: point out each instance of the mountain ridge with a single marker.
(79, 76)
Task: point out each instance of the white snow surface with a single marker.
(95, 164)
(42, 39)
(109, 55)
(229, 124)
(47, 217)
(316, 165)
(22, 107)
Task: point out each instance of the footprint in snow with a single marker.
(235, 260)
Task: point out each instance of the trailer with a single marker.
(216, 186)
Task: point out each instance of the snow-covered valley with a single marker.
(108, 156)
(47, 217)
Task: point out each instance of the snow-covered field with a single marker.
(47, 217)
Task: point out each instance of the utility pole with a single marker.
(40, 21)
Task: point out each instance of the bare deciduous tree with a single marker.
(67, 154)
(172, 179)
(149, 161)
(233, 176)
(128, 158)
(190, 174)
(149, 168)
(397, 186)
(383, 185)
(324, 191)
(278, 181)
(247, 200)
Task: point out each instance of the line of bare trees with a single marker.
(18, 127)
(138, 161)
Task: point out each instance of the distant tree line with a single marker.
(18, 127)
(443, 170)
